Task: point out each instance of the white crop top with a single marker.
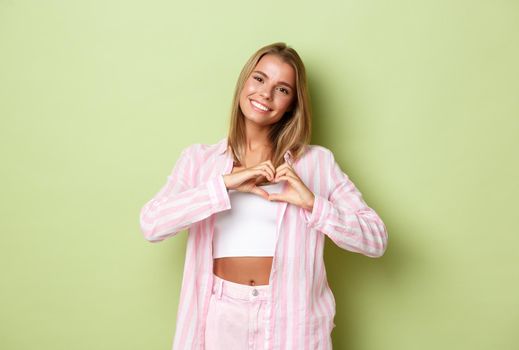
(249, 228)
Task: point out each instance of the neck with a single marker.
(257, 141)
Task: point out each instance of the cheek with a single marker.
(244, 97)
(248, 88)
(286, 102)
(243, 93)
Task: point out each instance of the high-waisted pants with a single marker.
(236, 316)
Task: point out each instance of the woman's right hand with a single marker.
(245, 180)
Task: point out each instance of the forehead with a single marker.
(276, 69)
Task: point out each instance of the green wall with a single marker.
(417, 99)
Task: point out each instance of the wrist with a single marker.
(310, 205)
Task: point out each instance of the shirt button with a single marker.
(254, 292)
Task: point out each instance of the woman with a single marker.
(258, 205)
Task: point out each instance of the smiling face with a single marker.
(269, 91)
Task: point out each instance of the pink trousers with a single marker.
(236, 316)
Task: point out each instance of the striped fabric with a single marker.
(301, 310)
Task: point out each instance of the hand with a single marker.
(297, 193)
(245, 180)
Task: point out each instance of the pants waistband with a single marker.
(238, 290)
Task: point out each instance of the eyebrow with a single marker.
(266, 76)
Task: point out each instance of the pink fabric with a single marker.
(301, 307)
(236, 316)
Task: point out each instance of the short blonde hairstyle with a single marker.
(293, 131)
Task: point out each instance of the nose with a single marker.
(265, 91)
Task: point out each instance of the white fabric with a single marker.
(249, 227)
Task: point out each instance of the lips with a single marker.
(260, 106)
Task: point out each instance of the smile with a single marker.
(259, 106)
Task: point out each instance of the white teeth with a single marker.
(256, 104)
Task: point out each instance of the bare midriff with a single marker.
(249, 270)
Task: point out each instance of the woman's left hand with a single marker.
(296, 193)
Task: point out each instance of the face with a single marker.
(269, 91)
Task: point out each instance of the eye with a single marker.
(284, 90)
(258, 78)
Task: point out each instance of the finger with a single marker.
(280, 171)
(285, 168)
(286, 172)
(260, 192)
(281, 167)
(266, 165)
(259, 172)
(267, 169)
(271, 166)
(275, 197)
(288, 178)
(260, 180)
(270, 169)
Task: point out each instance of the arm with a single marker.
(346, 218)
(180, 202)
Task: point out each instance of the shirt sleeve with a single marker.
(181, 202)
(346, 218)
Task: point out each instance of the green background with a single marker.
(418, 100)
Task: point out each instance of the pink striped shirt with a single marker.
(301, 309)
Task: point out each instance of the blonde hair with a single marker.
(293, 131)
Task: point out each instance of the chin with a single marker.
(259, 120)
